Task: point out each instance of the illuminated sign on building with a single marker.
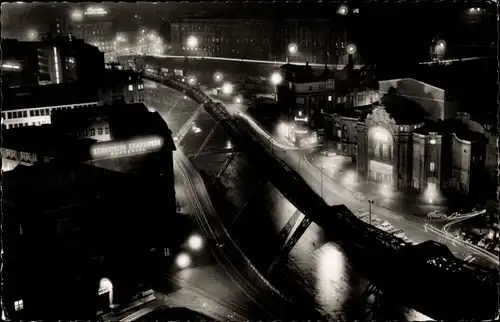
(11, 66)
(106, 150)
(95, 11)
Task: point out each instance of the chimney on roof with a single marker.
(307, 63)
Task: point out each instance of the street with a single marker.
(334, 193)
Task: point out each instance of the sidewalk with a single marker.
(406, 202)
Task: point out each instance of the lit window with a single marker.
(18, 305)
(329, 98)
(130, 88)
(432, 166)
(431, 185)
(99, 131)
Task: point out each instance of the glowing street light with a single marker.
(351, 49)
(276, 78)
(229, 145)
(343, 10)
(237, 100)
(192, 42)
(32, 34)
(293, 49)
(195, 242)
(386, 190)
(76, 15)
(227, 88)
(349, 179)
(218, 77)
(183, 260)
(191, 80)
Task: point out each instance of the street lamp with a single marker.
(195, 242)
(192, 42)
(32, 34)
(191, 80)
(227, 88)
(343, 10)
(218, 77)
(276, 79)
(183, 260)
(76, 15)
(351, 49)
(292, 50)
(370, 211)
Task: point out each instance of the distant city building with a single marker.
(318, 41)
(53, 60)
(94, 25)
(120, 86)
(27, 106)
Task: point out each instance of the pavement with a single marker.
(402, 202)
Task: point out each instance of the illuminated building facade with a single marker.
(66, 59)
(318, 41)
(307, 96)
(94, 25)
(19, 63)
(112, 136)
(222, 38)
(304, 96)
(29, 106)
(53, 60)
(402, 145)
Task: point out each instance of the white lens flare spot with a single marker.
(183, 260)
(195, 242)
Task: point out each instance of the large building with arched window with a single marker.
(402, 143)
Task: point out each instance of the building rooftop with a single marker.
(461, 129)
(48, 95)
(125, 121)
(403, 110)
(44, 140)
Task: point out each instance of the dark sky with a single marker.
(387, 28)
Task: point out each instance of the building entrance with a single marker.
(380, 172)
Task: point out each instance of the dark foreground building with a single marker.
(78, 210)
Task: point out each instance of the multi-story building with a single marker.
(26, 106)
(221, 38)
(66, 59)
(404, 145)
(307, 96)
(120, 86)
(94, 25)
(55, 255)
(54, 60)
(19, 63)
(318, 41)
